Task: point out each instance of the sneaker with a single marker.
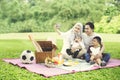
(75, 54)
(69, 51)
(92, 62)
(103, 63)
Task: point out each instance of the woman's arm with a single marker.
(99, 55)
(57, 29)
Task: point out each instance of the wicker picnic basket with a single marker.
(49, 50)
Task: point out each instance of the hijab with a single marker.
(71, 34)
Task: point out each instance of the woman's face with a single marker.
(88, 30)
(76, 29)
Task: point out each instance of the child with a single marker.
(77, 48)
(95, 56)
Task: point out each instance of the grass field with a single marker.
(12, 46)
(44, 35)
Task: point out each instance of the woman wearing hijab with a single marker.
(68, 37)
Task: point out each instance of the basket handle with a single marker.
(36, 45)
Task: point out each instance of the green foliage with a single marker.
(41, 15)
(108, 27)
(112, 8)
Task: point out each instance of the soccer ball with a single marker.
(27, 57)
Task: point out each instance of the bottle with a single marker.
(59, 58)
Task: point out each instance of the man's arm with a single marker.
(99, 55)
(102, 49)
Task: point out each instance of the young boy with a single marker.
(95, 56)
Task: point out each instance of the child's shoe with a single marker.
(92, 62)
(103, 63)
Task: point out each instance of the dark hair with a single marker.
(99, 40)
(90, 24)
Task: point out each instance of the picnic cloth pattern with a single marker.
(41, 69)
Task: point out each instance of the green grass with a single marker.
(44, 35)
(12, 49)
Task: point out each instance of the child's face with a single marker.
(77, 39)
(95, 42)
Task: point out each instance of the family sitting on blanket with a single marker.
(69, 36)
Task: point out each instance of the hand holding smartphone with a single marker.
(57, 26)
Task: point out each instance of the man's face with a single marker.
(88, 30)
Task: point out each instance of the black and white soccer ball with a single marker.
(27, 57)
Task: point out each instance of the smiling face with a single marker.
(95, 42)
(77, 29)
(77, 39)
(88, 30)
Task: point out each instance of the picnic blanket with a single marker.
(41, 69)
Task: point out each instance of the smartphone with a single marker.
(58, 25)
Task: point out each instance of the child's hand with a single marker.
(98, 56)
(92, 54)
(72, 49)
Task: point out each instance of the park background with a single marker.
(41, 15)
(18, 18)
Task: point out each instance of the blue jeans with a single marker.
(106, 57)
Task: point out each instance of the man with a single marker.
(87, 38)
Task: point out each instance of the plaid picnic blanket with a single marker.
(41, 69)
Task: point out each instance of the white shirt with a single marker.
(67, 38)
(88, 39)
(77, 44)
(95, 50)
